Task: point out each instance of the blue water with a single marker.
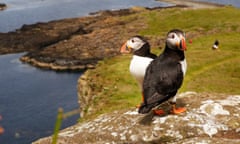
(21, 12)
(31, 11)
(30, 98)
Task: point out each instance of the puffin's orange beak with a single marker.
(182, 45)
(125, 49)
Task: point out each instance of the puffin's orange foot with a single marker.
(158, 112)
(138, 106)
(178, 110)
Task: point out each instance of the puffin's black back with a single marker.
(162, 80)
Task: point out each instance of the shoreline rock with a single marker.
(69, 44)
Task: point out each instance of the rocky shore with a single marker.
(73, 44)
(78, 43)
(69, 44)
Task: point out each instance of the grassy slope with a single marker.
(208, 70)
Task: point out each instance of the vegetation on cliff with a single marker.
(112, 87)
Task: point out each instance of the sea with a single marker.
(29, 96)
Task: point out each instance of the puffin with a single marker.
(165, 74)
(215, 45)
(141, 58)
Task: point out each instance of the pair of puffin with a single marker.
(159, 77)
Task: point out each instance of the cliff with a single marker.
(210, 118)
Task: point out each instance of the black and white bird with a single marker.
(215, 45)
(142, 57)
(164, 75)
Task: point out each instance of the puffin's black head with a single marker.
(176, 40)
(135, 43)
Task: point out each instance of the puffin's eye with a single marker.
(173, 36)
(132, 41)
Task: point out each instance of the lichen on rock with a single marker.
(207, 121)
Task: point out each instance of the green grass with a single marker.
(214, 71)
(208, 70)
(192, 20)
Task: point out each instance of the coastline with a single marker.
(78, 44)
(73, 44)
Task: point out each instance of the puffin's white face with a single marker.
(176, 40)
(135, 43)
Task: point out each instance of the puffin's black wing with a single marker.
(162, 80)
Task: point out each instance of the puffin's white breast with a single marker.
(184, 66)
(138, 67)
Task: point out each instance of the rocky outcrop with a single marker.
(210, 118)
(78, 43)
(72, 44)
(69, 44)
(86, 45)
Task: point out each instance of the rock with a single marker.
(85, 93)
(210, 118)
